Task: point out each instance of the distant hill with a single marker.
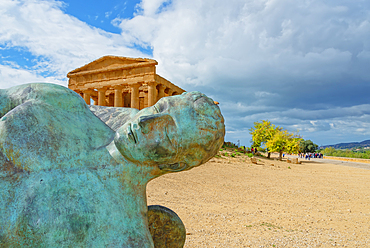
(365, 143)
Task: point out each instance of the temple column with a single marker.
(135, 96)
(161, 89)
(118, 97)
(87, 96)
(101, 96)
(152, 90)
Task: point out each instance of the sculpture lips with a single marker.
(176, 167)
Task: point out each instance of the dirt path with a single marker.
(338, 162)
(230, 202)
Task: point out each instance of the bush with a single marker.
(330, 151)
(260, 149)
(229, 145)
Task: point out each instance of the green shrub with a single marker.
(330, 151)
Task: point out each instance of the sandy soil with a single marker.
(230, 202)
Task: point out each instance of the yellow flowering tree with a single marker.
(283, 141)
(262, 132)
(274, 138)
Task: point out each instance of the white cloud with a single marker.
(266, 59)
(60, 40)
(303, 64)
(151, 7)
(108, 14)
(11, 76)
(200, 40)
(263, 94)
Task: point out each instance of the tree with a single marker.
(307, 146)
(262, 132)
(274, 138)
(328, 151)
(283, 141)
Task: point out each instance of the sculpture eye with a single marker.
(161, 106)
(156, 109)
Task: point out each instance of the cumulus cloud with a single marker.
(287, 61)
(11, 76)
(300, 64)
(59, 41)
(204, 40)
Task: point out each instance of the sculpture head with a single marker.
(177, 133)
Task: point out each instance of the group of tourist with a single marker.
(309, 155)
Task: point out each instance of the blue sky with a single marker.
(302, 64)
(101, 14)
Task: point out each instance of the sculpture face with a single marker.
(177, 133)
(150, 136)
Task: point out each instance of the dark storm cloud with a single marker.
(302, 64)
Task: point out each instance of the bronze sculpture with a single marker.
(69, 179)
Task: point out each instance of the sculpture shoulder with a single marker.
(55, 95)
(44, 126)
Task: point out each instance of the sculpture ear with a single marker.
(180, 166)
(157, 121)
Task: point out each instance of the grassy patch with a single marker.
(270, 226)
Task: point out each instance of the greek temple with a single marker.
(121, 82)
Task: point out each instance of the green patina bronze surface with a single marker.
(73, 175)
(166, 227)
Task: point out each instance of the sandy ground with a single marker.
(230, 202)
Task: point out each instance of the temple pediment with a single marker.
(112, 63)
